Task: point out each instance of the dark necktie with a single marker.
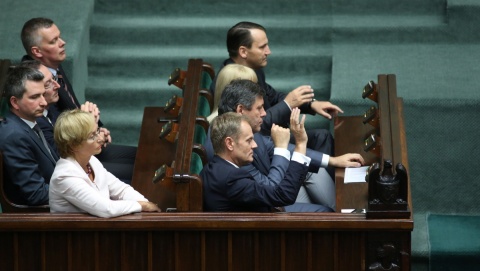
(51, 117)
(64, 86)
(42, 137)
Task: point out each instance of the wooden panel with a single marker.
(243, 251)
(56, 250)
(216, 243)
(350, 134)
(153, 152)
(163, 256)
(7, 250)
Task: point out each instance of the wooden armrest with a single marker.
(177, 78)
(169, 131)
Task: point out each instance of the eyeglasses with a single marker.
(94, 135)
(50, 83)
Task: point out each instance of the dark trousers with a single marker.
(119, 160)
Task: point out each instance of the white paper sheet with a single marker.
(355, 174)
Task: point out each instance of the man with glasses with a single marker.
(50, 114)
(28, 159)
(42, 41)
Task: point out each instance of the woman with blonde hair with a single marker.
(79, 182)
(224, 77)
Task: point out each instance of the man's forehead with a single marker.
(246, 129)
(259, 100)
(49, 32)
(33, 87)
(258, 36)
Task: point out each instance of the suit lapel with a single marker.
(32, 135)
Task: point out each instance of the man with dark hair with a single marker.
(42, 41)
(247, 45)
(28, 159)
(227, 186)
(271, 158)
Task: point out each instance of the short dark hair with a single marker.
(16, 79)
(239, 92)
(34, 64)
(29, 34)
(226, 125)
(239, 35)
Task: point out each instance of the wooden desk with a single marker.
(185, 241)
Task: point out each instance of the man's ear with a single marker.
(36, 52)
(243, 52)
(240, 108)
(229, 143)
(14, 102)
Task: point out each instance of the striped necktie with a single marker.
(64, 86)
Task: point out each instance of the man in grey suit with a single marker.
(28, 159)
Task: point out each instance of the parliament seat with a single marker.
(4, 66)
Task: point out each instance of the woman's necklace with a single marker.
(90, 172)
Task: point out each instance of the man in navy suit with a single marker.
(228, 187)
(248, 45)
(246, 98)
(42, 41)
(28, 161)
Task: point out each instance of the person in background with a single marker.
(227, 186)
(79, 182)
(28, 160)
(50, 113)
(270, 160)
(248, 45)
(226, 75)
(42, 41)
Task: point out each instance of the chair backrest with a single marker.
(10, 207)
(4, 66)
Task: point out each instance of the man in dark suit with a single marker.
(269, 164)
(247, 45)
(229, 187)
(42, 41)
(29, 161)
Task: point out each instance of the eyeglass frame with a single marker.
(94, 135)
(50, 82)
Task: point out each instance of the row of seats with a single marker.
(182, 113)
(184, 127)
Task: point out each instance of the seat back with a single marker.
(4, 66)
(10, 207)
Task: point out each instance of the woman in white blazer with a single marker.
(79, 182)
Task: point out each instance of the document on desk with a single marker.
(355, 174)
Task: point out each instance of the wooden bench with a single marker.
(178, 155)
(190, 240)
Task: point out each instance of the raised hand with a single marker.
(299, 96)
(297, 127)
(280, 136)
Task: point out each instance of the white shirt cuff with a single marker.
(300, 158)
(282, 152)
(325, 160)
